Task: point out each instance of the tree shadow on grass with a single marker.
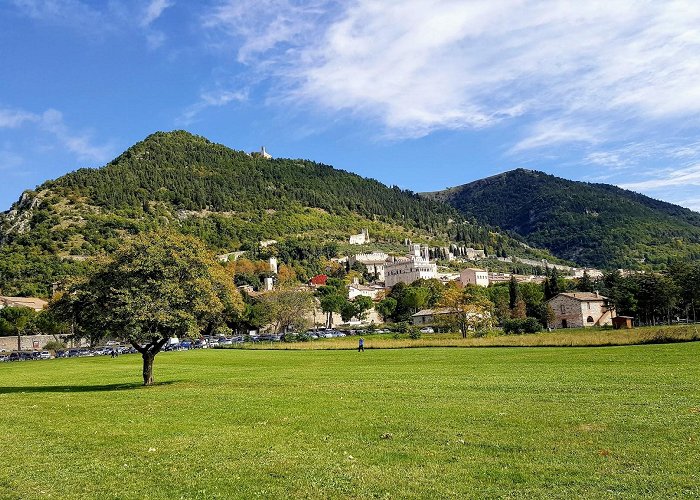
(79, 388)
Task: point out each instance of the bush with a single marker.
(415, 334)
(54, 345)
(402, 327)
(532, 325)
(518, 326)
(512, 326)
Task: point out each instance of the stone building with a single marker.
(374, 262)
(409, 269)
(360, 239)
(580, 309)
(474, 276)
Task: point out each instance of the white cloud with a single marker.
(213, 98)
(154, 10)
(689, 176)
(62, 12)
(422, 65)
(548, 133)
(96, 19)
(51, 121)
(13, 118)
(78, 144)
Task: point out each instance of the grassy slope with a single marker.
(561, 422)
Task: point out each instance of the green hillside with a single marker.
(592, 224)
(229, 199)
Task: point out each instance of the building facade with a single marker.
(473, 276)
(374, 262)
(408, 269)
(580, 309)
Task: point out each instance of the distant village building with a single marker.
(473, 276)
(261, 154)
(374, 262)
(360, 239)
(269, 284)
(581, 309)
(409, 269)
(267, 243)
(357, 290)
(472, 254)
(30, 302)
(592, 273)
(273, 265)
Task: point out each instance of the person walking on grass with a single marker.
(361, 345)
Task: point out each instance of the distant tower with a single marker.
(268, 284)
(273, 264)
(264, 153)
(416, 250)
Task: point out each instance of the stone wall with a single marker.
(27, 342)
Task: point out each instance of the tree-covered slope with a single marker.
(592, 224)
(229, 199)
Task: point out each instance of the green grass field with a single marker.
(608, 422)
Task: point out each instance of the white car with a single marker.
(44, 355)
(427, 329)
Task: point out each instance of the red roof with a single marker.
(319, 279)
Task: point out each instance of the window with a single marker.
(590, 319)
(562, 308)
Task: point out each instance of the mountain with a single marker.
(229, 199)
(593, 224)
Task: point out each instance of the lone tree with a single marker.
(156, 286)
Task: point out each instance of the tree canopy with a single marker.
(156, 286)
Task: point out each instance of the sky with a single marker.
(415, 93)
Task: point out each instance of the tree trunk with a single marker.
(147, 368)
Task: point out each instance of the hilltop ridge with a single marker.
(593, 224)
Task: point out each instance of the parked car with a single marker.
(44, 355)
(427, 329)
(73, 353)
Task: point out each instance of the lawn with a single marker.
(604, 422)
(575, 337)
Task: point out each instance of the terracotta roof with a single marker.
(31, 302)
(583, 296)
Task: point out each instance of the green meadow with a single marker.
(602, 422)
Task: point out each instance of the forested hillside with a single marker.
(593, 224)
(229, 199)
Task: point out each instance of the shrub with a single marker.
(415, 334)
(517, 326)
(54, 345)
(531, 325)
(402, 327)
(512, 326)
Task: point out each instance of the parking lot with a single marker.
(115, 348)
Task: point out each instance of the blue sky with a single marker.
(421, 94)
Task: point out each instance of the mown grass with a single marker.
(583, 337)
(615, 422)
